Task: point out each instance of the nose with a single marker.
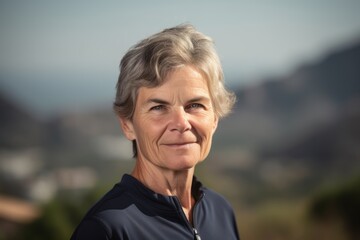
(180, 121)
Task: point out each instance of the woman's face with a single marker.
(173, 124)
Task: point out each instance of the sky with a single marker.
(58, 55)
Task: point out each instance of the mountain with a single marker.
(283, 109)
(18, 128)
(295, 132)
(335, 144)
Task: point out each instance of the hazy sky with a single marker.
(55, 54)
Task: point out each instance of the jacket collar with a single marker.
(162, 201)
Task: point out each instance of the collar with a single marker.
(144, 194)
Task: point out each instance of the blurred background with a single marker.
(288, 158)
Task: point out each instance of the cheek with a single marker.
(148, 132)
(205, 130)
(208, 126)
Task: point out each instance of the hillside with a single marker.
(290, 135)
(18, 128)
(286, 108)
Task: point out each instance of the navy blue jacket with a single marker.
(132, 211)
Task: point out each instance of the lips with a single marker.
(178, 143)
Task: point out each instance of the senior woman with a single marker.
(170, 97)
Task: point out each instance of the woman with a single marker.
(170, 97)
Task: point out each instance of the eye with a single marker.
(195, 106)
(157, 108)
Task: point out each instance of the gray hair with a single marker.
(147, 63)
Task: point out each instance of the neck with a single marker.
(168, 183)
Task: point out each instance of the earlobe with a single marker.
(127, 128)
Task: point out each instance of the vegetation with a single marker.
(339, 204)
(60, 217)
(332, 213)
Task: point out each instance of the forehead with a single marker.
(184, 82)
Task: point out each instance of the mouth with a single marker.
(179, 144)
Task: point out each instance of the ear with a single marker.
(216, 121)
(127, 128)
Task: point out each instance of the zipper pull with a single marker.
(196, 234)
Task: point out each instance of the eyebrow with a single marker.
(161, 101)
(157, 100)
(199, 99)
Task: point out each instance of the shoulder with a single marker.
(216, 199)
(216, 206)
(105, 214)
(91, 228)
(215, 217)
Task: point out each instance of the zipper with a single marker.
(196, 234)
(194, 230)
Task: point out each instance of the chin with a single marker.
(183, 164)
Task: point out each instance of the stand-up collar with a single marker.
(136, 187)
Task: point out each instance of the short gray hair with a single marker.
(147, 64)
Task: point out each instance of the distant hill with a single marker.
(287, 108)
(18, 128)
(297, 131)
(334, 145)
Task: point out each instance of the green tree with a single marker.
(341, 202)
